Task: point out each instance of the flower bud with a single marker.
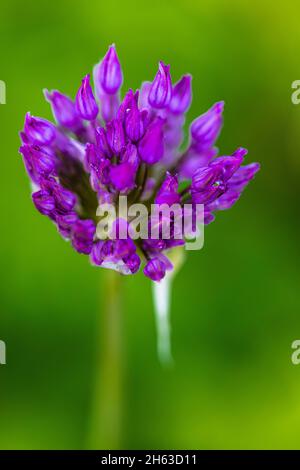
(101, 141)
(227, 165)
(155, 269)
(44, 202)
(204, 177)
(133, 123)
(133, 262)
(125, 105)
(109, 73)
(65, 200)
(82, 236)
(161, 88)
(65, 223)
(151, 146)
(181, 95)
(130, 155)
(224, 202)
(85, 101)
(64, 110)
(168, 192)
(39, 131)
(122, 176)
(38, 161)
(243, 176)
(115, 135)
(206, 128)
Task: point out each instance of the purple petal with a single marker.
(38, 161)
(181, 95)
(207, 184)
(209, 194)
(130, 155)
(206, 128)
(243, 175)
(115, 136)
(156, 267)
(122, 176)
(96, 253)
(224, 202)
(204, 177)
(161, 88)
(65, 223)
(168, 192)
(85, 101)
(92, 156)
(82, 236)
(126, 105)
(65, 200)
(44, 202)
(64, 110)
(133, 262)
(227, 165)
(193, 160)
(102, 143)
(98, 166)
(133, 123)
(109, 73)
(39, 131)
(144, 95)
(151, 146)
(109, 106)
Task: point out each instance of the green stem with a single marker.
(107, 401)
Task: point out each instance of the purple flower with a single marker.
(122, 176)
(155, 269)
(64, 110)
(39, 131)
(181, 95)
(115, 136)
(161, 89)
(85, 101)
(101, 141)
(134, 124)
(151, 146)
(38, 161)
(206, 128)
(168, 192)
(109, 74)
(133, 148)
(65, 223)
(44, 202)
(82, 236)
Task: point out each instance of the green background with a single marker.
(235, 309)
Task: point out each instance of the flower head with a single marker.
(101, 148)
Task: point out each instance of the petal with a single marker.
(39, 131)
(109, 73)
(64, 110)
(161, 88)
(181, 95)
(151, 146)
(85, 101)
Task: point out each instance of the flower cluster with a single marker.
(102, 147)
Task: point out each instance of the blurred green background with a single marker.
(235, 309)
